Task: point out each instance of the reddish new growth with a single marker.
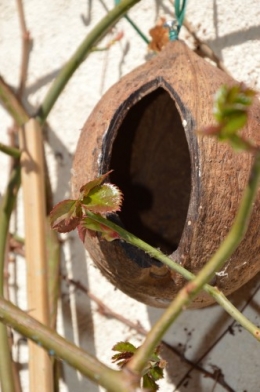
(94, 197)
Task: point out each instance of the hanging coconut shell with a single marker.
(181, 191)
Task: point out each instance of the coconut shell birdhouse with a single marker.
(181, 190)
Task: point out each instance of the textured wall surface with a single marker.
(232, 30)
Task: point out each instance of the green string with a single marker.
(175, 26)
(132, 23)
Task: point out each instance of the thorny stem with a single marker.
(105, 311)
(7, 205)
(96, 34)
(158, 255)
(57, 346)
(229, 245)
(189, 292)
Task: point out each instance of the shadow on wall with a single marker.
(212, 340)
(232, 39)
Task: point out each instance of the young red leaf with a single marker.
(122, 358)
(85, 189)
(82, 231)
(103, 199)
(66, 215)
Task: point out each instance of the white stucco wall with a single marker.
(232, 29)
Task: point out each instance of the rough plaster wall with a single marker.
(232, 29)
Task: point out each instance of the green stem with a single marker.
(7, 205)
(189, 292)
(226, 249)
(12, 104)
(53, 253)
(6, 208)
(57, 346)
(83, 50)
(12, 151)
(158, 255)
(6, 370)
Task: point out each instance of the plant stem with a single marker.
(53, 256)
(7, 205)
(12, 151)
(185, 296)
(226, 249)
(96, 34)
(57, 346)
(12, 104)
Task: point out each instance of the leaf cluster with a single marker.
(94, 196)
(153, 370)
(230, 111)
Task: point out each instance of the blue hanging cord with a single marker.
(132, 23)
(175, 25)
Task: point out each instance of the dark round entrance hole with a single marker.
(151, 163)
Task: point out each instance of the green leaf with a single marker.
(149, 383)
(231, 112)
(239, 144)
(103, 199)
(85, 189)
(66, 215)
(235, 123)
(219, 102)
(156, 373)
(124, 347)
(126, 351)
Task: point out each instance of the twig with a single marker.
(7, 205)
(96, 34)
(157, 254)
(185, 296)
(203, 49)
(12, 151)
(59, 347)
(26, 47)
